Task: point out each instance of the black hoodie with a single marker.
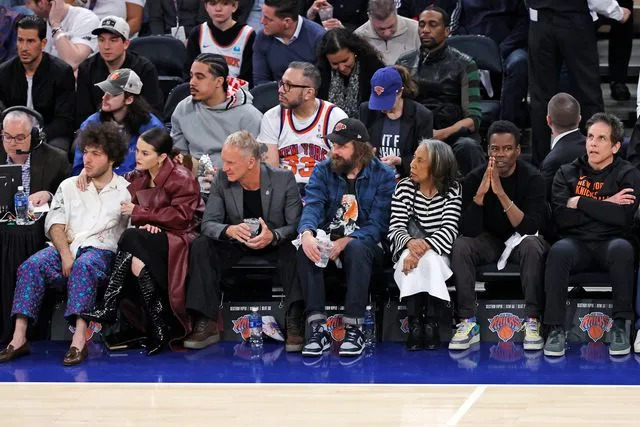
(594, 219)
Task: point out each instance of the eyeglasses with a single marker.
(287, 86)
(494, 149)
(8, 138)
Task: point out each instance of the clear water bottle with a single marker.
(369, 328)
(255, 326)
(21, 203)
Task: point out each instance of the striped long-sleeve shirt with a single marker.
(438, 216)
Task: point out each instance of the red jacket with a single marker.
(174, 205)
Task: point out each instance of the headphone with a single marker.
(38, 136)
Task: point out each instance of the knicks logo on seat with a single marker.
(241, 326)
(335, 327)
(505, 325)
(595, 324)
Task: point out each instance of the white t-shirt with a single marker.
(77, 25)
(110, 8)
(301, 143)
(30, 92)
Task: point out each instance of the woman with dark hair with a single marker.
(425, 210)
(166, 208)
(122, 104)
(346, 63)
(396, 123)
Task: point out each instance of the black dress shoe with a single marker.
(620, 91)
(11, 353)
(415, 340)
(75, 356)
(431, 336)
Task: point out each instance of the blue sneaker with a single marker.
(468, 333)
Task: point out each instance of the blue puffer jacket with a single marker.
(129, 162)
(374, 188)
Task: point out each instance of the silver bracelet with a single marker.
(508, 207)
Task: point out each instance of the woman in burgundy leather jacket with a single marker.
(166, 210)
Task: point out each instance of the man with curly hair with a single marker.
(84, 228)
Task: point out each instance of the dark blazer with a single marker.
(281, 204)
(49, 167)
(53, 92)
(162, 15)
(416, 123)
(566, 150)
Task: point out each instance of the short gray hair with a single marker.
(382, 9)
(443, 166)
(14, 116)
(244, 141)
(309, 71)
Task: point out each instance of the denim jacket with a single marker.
(374, 187)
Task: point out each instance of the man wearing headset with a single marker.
(44, 167)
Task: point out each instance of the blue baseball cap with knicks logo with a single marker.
(385, 85)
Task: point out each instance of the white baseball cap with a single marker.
(113, 24)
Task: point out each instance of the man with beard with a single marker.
(503, 209)
(122, 104)
(449, 86)
(40, 81)
(113, 44)
(295, 132)
(348, 197)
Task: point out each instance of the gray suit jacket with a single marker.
(281, 204)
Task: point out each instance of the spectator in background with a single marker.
(164, 18)
(202, 122)
(620, 45)
(113, 44)
(40, 81)
(430, 198)
(250, 13)
(507, 23)
(349, 14)
(221, 34)
(68, 29)
(130, 10)
(295, 132)
(8, 19)
(346, 63)
(122, 104)
(413, 8)
(568, 144)
(503, 210)
(556, 28)
(388, 33)
(594, 201)
(395, 122)
(449, 85)
(286, 37)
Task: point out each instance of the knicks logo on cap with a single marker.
(114, 76)
(379, 90)
(339, 127)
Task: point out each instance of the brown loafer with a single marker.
(11, 353)
(75, 356)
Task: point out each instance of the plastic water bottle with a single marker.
(21, 203)
(255, 326)
(369, 328)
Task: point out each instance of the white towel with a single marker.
(429, 276)
(511, 243)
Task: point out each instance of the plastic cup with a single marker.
(326, 13)
(325, 247)
(253, 224)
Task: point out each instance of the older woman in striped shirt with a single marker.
(425, 210)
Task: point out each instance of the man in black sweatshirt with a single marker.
(498, 200)
(594, 199)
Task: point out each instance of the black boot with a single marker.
(107, 310)
(415, 340)
(158, 331)
(431, 334)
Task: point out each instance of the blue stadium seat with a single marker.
(176, 95)
(265, 96)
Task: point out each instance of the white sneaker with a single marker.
(636, 344)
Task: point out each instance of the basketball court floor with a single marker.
(231, 385)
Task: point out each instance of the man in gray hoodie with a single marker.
(216, 108)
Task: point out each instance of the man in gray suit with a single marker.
(244, 189)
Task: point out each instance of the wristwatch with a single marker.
(276, 238)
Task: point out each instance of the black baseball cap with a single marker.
(349, 130)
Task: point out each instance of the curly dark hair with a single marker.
(341, 38)
(108, 137)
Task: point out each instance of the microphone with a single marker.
(19, 151)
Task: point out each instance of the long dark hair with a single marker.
(159, 139)
(138, 114)
(341, 38)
